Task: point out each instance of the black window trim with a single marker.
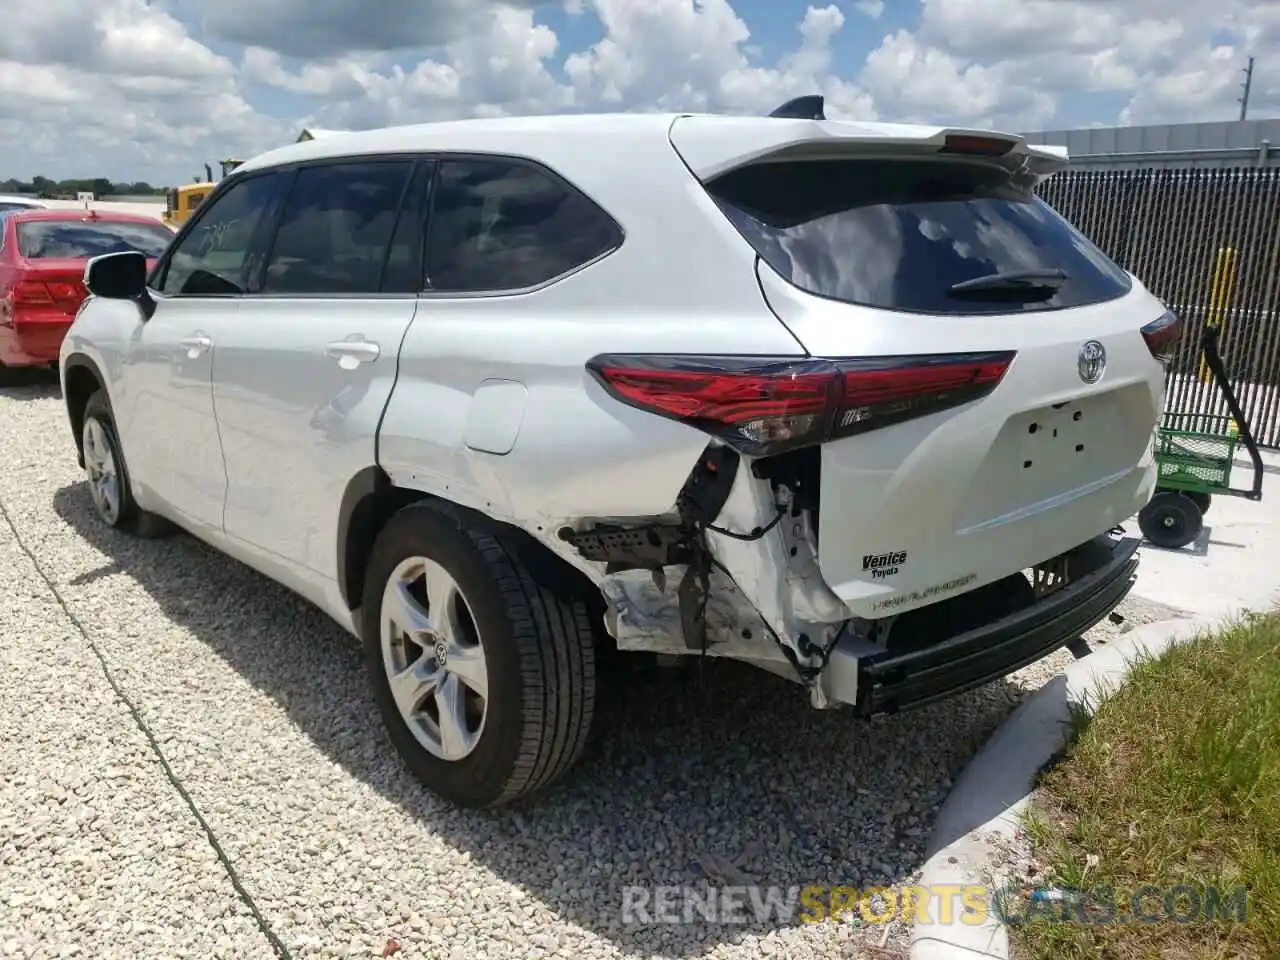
(427, 293)
(263, 245)
(421, 158)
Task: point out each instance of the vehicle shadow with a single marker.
(29, 383)
(731, 778)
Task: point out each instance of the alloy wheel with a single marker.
(434, 658)
(100, 468)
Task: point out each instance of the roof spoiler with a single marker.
(811, 107)
(1062, 152)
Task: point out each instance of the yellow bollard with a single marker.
(1221, 287)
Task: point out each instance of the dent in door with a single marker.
(495, 416)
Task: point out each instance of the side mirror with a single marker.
(120, 276)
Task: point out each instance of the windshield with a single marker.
(911, 235)
(49, 239)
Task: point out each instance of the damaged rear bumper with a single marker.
(890, 680)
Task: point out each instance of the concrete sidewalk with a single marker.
(1234, 561)
(1233, 566)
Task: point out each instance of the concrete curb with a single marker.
(984, 807)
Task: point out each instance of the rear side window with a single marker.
(499, 224)
(49, 239)
(336, 229)
(901, 234)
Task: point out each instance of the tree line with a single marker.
(48, 189)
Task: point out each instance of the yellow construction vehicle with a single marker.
(181, 202)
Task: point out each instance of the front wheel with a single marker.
(104, 466)
(108, 475)
(483, 670)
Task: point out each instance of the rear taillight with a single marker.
(765, 406)
(65, 295)
(31, 293)
(1162, 335)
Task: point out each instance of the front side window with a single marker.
(500, 224)
(336, 229)
(210, 259)
(80, 240)
(922, 236)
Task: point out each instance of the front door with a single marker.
(304, 370)
(166, 415)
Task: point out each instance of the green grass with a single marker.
(1173, 780)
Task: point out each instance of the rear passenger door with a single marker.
(302, 372)
(496, 352)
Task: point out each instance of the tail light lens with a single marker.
(1162, 336)
(37, 293)
(765, 406)
(66, 293)
(31, 293)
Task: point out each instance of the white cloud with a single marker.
(124, 91)
(152, 89)
(1176, 60)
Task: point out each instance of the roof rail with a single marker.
(809, 107)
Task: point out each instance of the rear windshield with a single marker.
(39, 239)
(899, 234)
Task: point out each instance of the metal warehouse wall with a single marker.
(1234, 143)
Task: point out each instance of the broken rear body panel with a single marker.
(882, 551)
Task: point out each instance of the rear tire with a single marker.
(109, 486)
(518, 710)
(1171, 520)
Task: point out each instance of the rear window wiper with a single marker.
(1013, 281)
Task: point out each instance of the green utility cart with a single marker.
(1195, 453)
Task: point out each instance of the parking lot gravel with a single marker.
(285, 825)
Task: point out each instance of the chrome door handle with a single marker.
(350, 352)
(196, 345)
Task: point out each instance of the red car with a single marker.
(42, 259)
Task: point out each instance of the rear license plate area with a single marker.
(1053, 450)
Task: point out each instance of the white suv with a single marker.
(842, 400)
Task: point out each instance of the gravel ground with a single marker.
(257, 703)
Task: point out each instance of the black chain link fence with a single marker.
(1207, 242)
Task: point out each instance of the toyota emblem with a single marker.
(1092, 361)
